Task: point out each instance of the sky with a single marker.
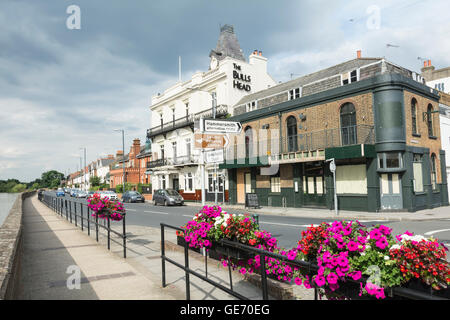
(65, 88)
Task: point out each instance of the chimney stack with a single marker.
(358, 54)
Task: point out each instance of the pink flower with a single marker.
(352, 245)
(382, 243)
(375, 234)
(332, 278)
(356, 275)
(298, 281)
(320, 280)
(243, 270)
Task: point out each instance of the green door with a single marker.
(314, 185)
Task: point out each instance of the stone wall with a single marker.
(10, 248)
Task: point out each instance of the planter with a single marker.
(181, 242)
(230, 252)
(418, 285)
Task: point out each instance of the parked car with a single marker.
(110, 194)
(81, 194)
(73, 192)
(132, 196)
(167, 197)
(60, 192)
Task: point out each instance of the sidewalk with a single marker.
(326, 214)
(51, 245)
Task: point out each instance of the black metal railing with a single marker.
(308, 268)
(158, 163)
(221, 110)
(72, 210)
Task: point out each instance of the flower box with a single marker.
(181, 242)
(418, 285)
(226, 251)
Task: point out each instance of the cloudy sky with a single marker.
(63, 89)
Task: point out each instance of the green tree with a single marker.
(94, 181)
(51, 179)
(19, 188)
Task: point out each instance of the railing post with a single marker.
(109, 232)
(76, 214)
(124, 237)
(264, 277)
(96, 227)
(70, 212)
(82, 218)
(186, 267)
(163, 257)
(229, 269)
(89, 221)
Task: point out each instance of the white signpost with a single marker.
(222, 126)
(214, 156)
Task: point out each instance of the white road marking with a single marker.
(185, 215)
(130, 209)
(435, 231)
(289, 225)
(159, 212)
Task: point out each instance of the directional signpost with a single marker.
(214, 156)
(222, 126)
(210, 141)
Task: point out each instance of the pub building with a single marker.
(377, 120)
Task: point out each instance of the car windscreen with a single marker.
(172, 193)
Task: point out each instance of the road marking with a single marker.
(130, 209)
(159, 212)
(185, 215)
(290, 225)
(435, 231)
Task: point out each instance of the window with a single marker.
(433, 172)
(414, 115)
(218, 182)
(417, 172)
(161, 147)
(430, 120)
(161, 119)
(348, 124)
(350, 77)
(188, 182)
(188, 148)
(174, 149)
(294, 93)
(390, 160)
(162, 181)
(248, 142)
(291, 123)
(275, 185)
(251, 106)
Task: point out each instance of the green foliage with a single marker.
(140, 185)
(19, 188)
(51, 179)
(94, 181)
(94, 188)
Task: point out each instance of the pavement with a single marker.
(53, 248)
(438, 213)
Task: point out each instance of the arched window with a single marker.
(348, 124)
(430, 120)
(414, 115)
(291, 124)
(433, 171)
(248, 142)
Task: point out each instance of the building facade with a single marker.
(209, 94)
(377, 120)
(437, 79)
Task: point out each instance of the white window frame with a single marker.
(292, 93)
(250, 106)
(188, 176)
(275, 184)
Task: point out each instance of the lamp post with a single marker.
(84, 169)
(202, 163)
(123, 159)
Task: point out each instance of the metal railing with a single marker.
(308, 268)
(72, 210)
(221, 110)
(310, 141)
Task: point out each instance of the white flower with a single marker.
(363, 253)
(395, 246)
(386, 258)
(368, 247)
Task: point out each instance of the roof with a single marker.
(309, 78)
(227, 45)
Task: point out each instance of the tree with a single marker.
(51, 179)
(18, 188)
(94, 181)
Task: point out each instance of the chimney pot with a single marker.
(260, 53)
(424, 64)
(358, 54)
(429, 63)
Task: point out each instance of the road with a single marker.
(286, 229)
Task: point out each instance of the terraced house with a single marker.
(376, 119)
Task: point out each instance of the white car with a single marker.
(110, 194)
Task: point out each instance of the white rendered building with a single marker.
(173, 113)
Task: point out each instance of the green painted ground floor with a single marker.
(365, 181)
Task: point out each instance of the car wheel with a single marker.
(166, 203)
(154, 202)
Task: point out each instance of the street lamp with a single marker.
(123, 158)
(202, 163)
(84, 172)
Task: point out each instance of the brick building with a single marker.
(135, 165)
(376, 119)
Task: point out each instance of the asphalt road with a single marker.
(286, 229)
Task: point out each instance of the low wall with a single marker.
(11, 248)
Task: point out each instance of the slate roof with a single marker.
(309, 78)
(227, 45)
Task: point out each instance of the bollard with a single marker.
(256, 218)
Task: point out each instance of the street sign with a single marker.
(214, 156)
(222, 126)
(210, 141)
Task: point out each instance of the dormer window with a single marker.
(251, 106)
(350, 77)
(294, 93)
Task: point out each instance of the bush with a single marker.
(128, 187)
(140, 185)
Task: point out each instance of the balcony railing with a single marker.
(158, 163)
(182, 160)
(221, 111)
(311, 141)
